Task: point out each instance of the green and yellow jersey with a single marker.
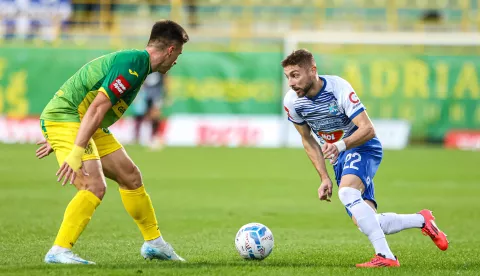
(119, 75)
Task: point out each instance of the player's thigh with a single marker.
(358, 169)
(119, 167)
(352, 181)
(61, 137)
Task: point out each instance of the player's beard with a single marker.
(302, 92)
(307, 88)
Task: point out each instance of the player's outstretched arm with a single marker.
(313, 150)
(90, 123)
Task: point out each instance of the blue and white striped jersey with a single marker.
(329, 114)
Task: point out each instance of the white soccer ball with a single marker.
(254, 241)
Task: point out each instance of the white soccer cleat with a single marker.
(66, 257)
(161, 252)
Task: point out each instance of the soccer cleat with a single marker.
(430, 229)
(380, 261)
(161, 252)
(66, 257)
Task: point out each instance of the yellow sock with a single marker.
(77, 215)
(139, 206)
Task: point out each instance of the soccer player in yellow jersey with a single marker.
(75, 125)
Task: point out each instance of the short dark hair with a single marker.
(300, 57)
(167, 31)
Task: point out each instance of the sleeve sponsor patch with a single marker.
(353, 98)
(119, 86)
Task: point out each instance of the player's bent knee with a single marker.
(92, 183)
(98, 188)
(352, 181)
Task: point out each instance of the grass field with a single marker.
(202, 196)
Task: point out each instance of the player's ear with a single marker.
(170, 49)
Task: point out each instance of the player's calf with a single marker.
(392, 223)
(135, 198)
(80, 210)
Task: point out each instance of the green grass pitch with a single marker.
(203, 195)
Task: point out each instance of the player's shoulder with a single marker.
(132, 53)
(290, 98)
(334, 81)
(132, 56)
(135, 60)
(336, 84)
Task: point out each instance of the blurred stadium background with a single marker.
(414, 63)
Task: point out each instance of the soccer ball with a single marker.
(254, 241)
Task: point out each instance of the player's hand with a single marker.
(67, 171)
(72, 164)
(330, 151)
(325, 190)
(44, 150)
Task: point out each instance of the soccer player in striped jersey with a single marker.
(328, 107)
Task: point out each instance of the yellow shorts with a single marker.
(61, 136)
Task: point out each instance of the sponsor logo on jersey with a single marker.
(331, 137)
(353, 98)
(119, 86)
(133, 72)
(119, 108)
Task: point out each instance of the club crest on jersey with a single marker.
(331, 137)
(333, 108)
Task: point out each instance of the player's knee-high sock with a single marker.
(392, 223)
(366, 220)
(77, 215)
(138, 204)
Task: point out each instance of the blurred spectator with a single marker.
(192, 13)
(29, 19)
(432, 20)
(8, 12)
(148, 107)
